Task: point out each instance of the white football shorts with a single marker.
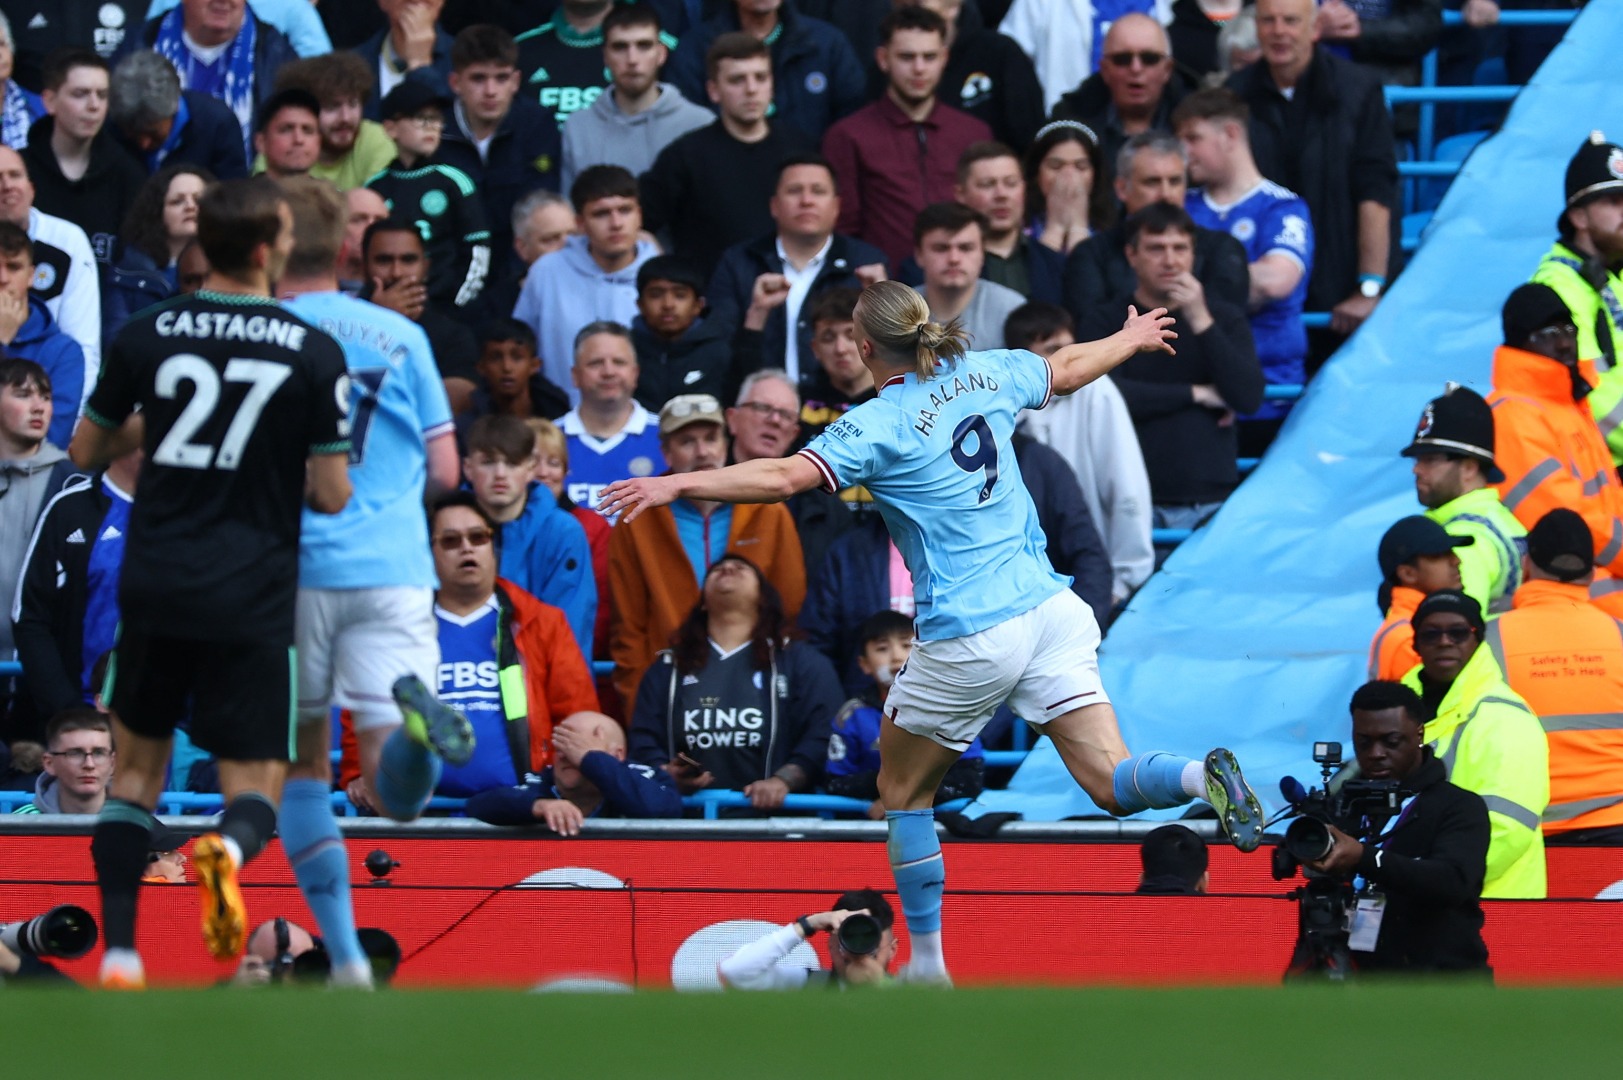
(1044, 663)
(354, 643)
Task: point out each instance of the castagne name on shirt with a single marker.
(231, 326)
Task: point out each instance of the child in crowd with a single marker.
(677, 351)
(853, 748)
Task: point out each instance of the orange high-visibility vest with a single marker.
(1565, 656)
(1391, 652)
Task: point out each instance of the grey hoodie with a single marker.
(24, 485)
(601, 134)
(47, 797)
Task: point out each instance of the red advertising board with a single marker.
(525, 911)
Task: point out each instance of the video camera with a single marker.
(1356, 807)
(65, 932)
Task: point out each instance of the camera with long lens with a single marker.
(66, 932)
(860, 934)
(1325, 904)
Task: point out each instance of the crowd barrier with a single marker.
(472, 910)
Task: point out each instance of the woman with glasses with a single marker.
(994, 623)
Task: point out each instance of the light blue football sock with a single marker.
(315, 848)
(406, 776)
(915, 860)
(1153, 781)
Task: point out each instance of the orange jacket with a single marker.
(1551, 450)
(1391, 653)
(1565, 656)
(557, 682)
(1606, 593)
(652, 582)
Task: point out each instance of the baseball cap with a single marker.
(1412, 537)
(1449, 600)
(410, 98)
(1560, 544)
(1459, 422)
(163, 838)
(685, 409)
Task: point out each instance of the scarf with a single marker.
(230, 77)
(18, 116)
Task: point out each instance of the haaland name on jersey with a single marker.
(232, 326)
(968, 383)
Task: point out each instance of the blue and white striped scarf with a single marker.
(230, 77)
(18, 116)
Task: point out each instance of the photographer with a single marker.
(1422, 867)
(861, 947)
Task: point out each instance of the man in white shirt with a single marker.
(65, 276)
(860, 954)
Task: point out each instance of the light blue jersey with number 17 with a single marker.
(397, 404)
(936, 457)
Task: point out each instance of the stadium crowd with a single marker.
(634, 235)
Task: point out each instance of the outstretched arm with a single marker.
(1077, 365)
(762, 480)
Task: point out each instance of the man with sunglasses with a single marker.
(78, 764)
(1547, 442)
(1487, 738)
(1066, 38)
(1134, 90)
(509, 662)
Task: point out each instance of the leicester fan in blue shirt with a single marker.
(1273, 226)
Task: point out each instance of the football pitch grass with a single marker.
(1366, 1031)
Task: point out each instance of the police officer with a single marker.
(1583, 268)
(1453, 466)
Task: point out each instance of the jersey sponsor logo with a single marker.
(969, 383)
(844, 430)
(1292, 232)
(976, 90)
(708, 727)
(564, 100)
(816, 82)
(1243, 230)
(434, 203)
(468, 675)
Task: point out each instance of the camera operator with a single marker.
(1422, 868)
(861, 947)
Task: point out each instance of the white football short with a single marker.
(354, 643)
(1044, 663)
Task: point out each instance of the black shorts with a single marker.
(239, 695)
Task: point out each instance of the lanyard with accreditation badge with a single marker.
(1366, 918)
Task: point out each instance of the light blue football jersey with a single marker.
(936, 457)
(397, 404)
